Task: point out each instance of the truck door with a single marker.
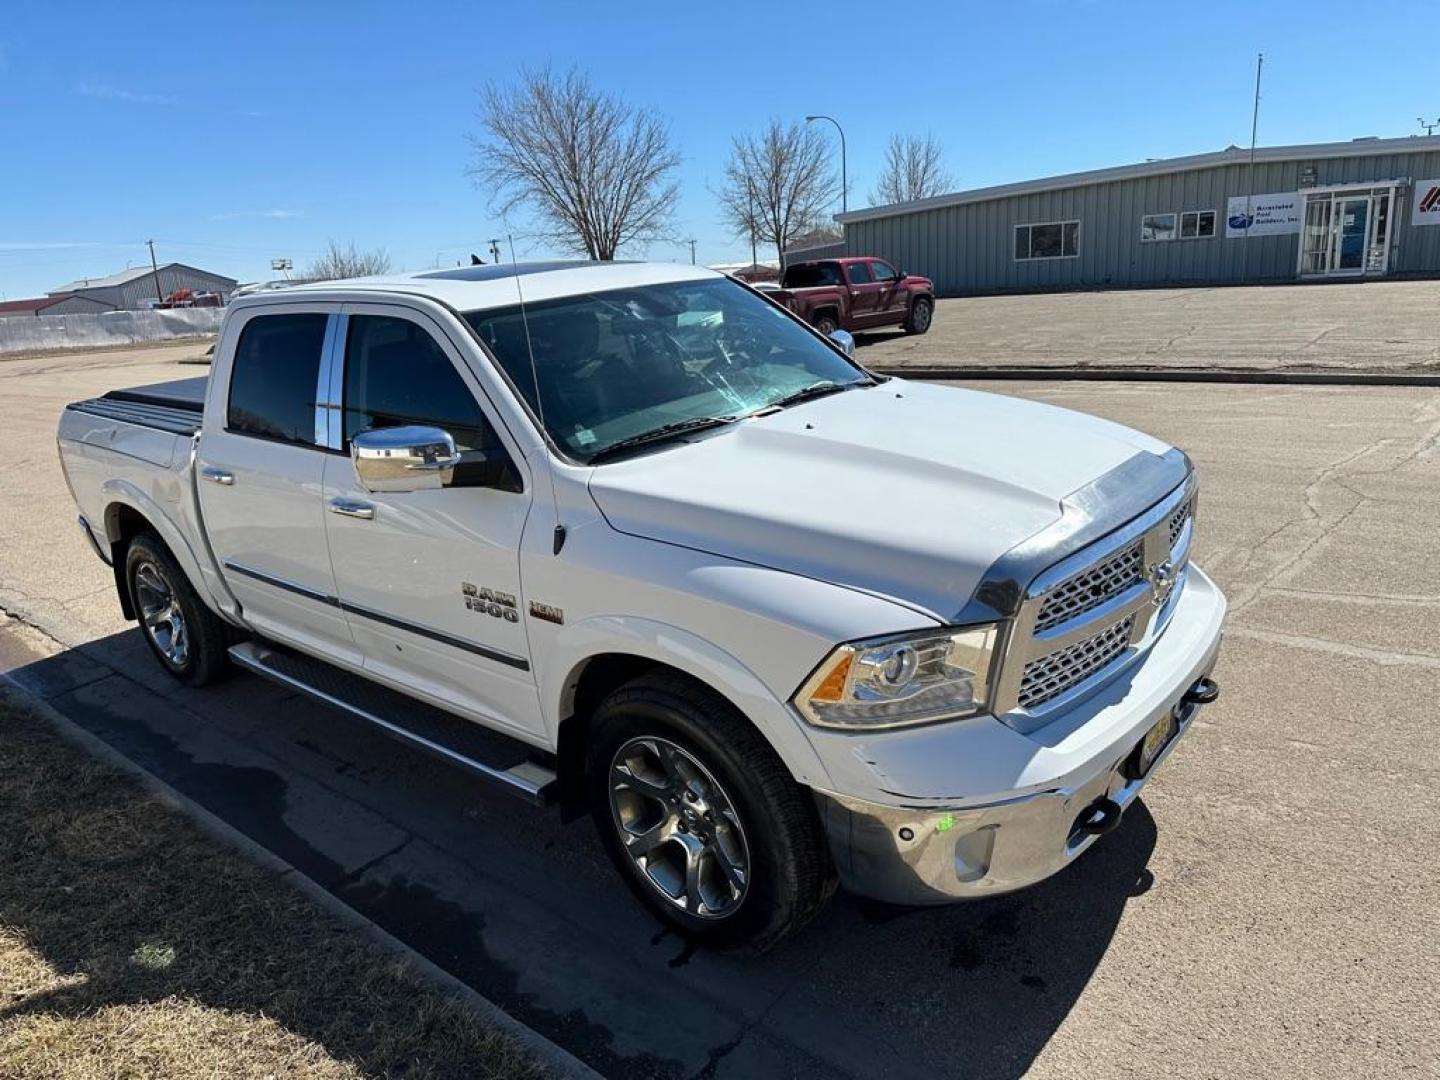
(430, 578)
(864, 294)
(892, 302)
(260, 467)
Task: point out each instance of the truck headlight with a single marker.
(905, 679)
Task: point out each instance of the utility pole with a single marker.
(1428, 125)
(692, 251)
(1250, 178)
(844, 180)
(495, 252)
(155, 270)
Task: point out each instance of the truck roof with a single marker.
(471, 288)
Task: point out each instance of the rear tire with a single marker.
(826, 325)
(188, 639)
(700, 816)
(922, 313)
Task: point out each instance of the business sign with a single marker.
(1427, 203)
(1265, 215)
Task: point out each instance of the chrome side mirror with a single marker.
(845, 340)
(410, 458)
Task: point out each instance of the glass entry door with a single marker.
(1346, 233)
(1354, 232)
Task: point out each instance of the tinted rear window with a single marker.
(272, 383)
(809, 275)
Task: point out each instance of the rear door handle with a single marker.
(353, 508)
(218, 476)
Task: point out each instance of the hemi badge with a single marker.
(547, 612)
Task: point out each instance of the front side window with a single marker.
(1155, 227)
(397, 374)
(811, 275)
(1047, 240)
(612, 366)
(273, 378)
(1197, 224)
(859, 273)
(883, 271)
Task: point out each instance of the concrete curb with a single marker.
(1169, 375)
(557, 1061)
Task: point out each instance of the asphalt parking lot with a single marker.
(1388, 326)
(1268, 909)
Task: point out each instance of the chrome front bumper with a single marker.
(937, 856)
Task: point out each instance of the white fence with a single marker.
(31, 333)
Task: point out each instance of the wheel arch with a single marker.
(128, 513)
(616, 650)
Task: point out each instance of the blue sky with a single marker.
(235, 132)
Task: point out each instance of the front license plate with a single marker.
(1155, 741)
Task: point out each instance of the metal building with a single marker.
(138, 288)
(1363, 209)
(57, 304)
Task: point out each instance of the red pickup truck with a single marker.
(856, 294)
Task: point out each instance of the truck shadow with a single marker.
(524, 907)
(866, 338)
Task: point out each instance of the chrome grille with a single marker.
(1051, 675)
(1178, 519)
(1090, 610)
(1091, 587)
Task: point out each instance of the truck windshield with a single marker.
(617, 364)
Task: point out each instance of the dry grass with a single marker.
(132, 945)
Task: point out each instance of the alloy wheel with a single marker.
(160, 614)
(679, 827)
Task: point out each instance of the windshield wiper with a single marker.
(672, 430)
(814, 390)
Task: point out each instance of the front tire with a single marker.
(700, 816)
(922, 312)
(186, 637)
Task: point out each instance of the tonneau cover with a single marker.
(177, 394)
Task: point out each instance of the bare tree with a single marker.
(778, 184)
(595, 171)
(914, 169)
(347, 262)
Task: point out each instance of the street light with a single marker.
(844, 181)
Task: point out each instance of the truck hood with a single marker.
(904, 490)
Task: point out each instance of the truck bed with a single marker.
(174, 407)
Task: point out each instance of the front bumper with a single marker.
(938, 852)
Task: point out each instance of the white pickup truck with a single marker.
(633, 536)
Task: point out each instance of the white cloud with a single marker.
(273, 215)
(106, 92)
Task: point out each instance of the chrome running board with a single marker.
(518, 767)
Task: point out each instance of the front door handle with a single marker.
(353, 508)
(218, 476)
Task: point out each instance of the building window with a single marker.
(1048, 240)
(1157, 227)
(1197, 224)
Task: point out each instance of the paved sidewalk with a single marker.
(1389, 326)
